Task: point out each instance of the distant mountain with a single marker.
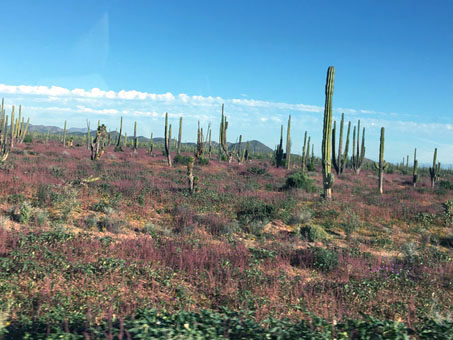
(255, 146)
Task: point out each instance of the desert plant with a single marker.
(358, 155)
(167, 140)
(288, 144)
(435, 170)
(415, 169)
(299, 180)
(339, 162)
(98, 144)
(118, 142)
(304, 153)
(313, 233)
(178, 151)
(223, 137)
(327, 176)
(382, 165)
(279, 150)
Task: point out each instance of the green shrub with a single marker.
(257, 170)
(313, 233)
(22, 213)
(28, 139)
(91, 221)
(324, 259)
(446, 185)
(299, 180)
(181, 159)
(253, 209)
(203, 161)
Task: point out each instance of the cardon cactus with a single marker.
(288, 144)
(279, 150)
(327, 175)
(178, 151)
(98, 144)
(304, 153)
(382, 165)
(435, 170)
(118, 142)
(339, 162)
(167, 140)
(358, 155)
(415, 169)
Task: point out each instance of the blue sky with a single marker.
(263, 59)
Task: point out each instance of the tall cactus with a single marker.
(178, 151)
(359, 154)
(288, 144)
(167, 139)
(98, 144)
(200, 142)
(12, 128)
(135, 138)
(435, 170)
(339, 162)
(209, 142)
(64, 134)
(279, 150)
(118, 143)
(223, 136)
(151, 143)
(414, 171)
(88, 135)
(382, 165)
(327, 175)
(304, 153)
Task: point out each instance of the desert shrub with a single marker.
(215, 224)
(444, 184)
(313, 233)
(41, 218)
(301, 217)
(28, 139)
(410, 252)
(252, 209)
(181, 159)
(299, 180)
(91, 221)
(203, 161)
(447, 241)
(184, 220)
(22, 213)
(257, 170)
(351, 224)
(324, 259)
(110, 224)
(16, 198)
(448, 211)
(43, 195)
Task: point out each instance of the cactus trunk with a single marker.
(326, 136)
(167, 138)
(288, 144)
(179, 136)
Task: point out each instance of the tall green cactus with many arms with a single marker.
(327, 176)
(359, 154)
(304, 151)
(415, 169)
(288, 144)
(98, 144)
(435, 170)
(178, 151)
(118, 142)
(135, 141)
(167, 140)
(200, 142)
(382, 165)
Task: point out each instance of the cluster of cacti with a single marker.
(223, 138)
(178, 150)
(279, 150)
(98, 144)
(415, 169)
(382, 165)
(435, 170)
(359, 154)
(288, 144)
(339, 162)
(167, 140)
(327, 176)
(18, 131)
(118, 142)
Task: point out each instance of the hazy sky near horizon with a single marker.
(78, 60)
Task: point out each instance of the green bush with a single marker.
(22, 213)
(446, 185)
(28, 139)
(324, 259)
(313, 233)
(203, 161)
(253, 209)
(181, 159)
(299, 180)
